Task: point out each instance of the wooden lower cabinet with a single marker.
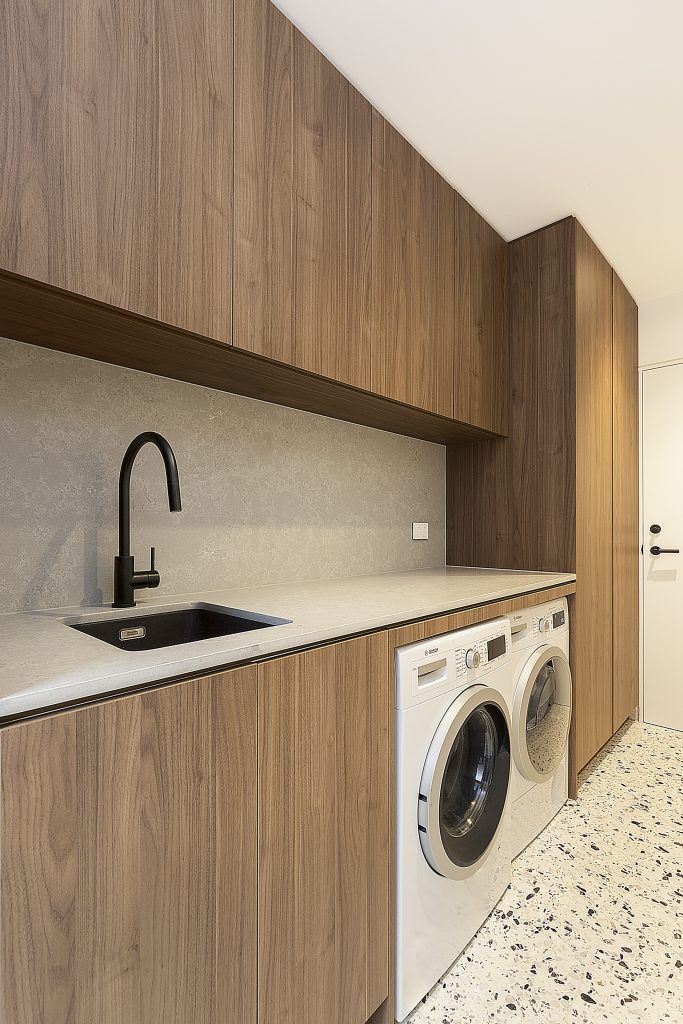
(162, 851)
(128, 859)
(324, 834)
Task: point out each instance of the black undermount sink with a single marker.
(149, 630)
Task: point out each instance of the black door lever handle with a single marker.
(656, 550)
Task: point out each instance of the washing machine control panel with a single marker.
(450, 661)
(549, 620)
(480, 653)
(539, 623)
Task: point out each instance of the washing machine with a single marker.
(453, 762)
(540, 699)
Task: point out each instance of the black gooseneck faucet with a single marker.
(126, 579)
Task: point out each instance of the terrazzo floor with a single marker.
(591, 928)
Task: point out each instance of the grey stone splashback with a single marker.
(269, 494)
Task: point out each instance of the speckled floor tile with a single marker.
(591, 929)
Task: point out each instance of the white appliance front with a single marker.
(452, 781)
(540, 696)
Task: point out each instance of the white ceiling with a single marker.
(533, 110)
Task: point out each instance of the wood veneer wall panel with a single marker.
(519, 523)
(625, 504)
(507, 500)
(592, 668)
(555, 359)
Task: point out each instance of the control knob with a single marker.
(473, 658)
(544, 625)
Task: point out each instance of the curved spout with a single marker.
(172, 482)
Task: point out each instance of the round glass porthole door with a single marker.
(542, 714)
(465, 782)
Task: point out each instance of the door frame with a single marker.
(641, 525)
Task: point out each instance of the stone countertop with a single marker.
(46, 664)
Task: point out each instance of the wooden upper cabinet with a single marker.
(128, 880)
(625, 503)
(302, 202)
(116, 176)
(324, 833)
(413, 274)
(481, 345)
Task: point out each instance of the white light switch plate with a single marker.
(420, 531)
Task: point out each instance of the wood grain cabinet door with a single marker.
(625, 503)
(116, 183)
(413, 275)
(324, 834)
(481, 333)
(128, 872)
(302, 202)
(592, 626)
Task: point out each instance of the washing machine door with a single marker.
(542, 713)
(465, 783)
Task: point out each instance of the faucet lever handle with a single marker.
(152, 559)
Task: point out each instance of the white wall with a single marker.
(660, 330)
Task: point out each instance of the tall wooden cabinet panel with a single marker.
(116, 182)
(481, 334)
(592, 668)
(302, 202)
(560, 493)
(323, 834)
(128, 871)
(413, 273)
(625, 503)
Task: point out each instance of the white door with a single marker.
(663, 529)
